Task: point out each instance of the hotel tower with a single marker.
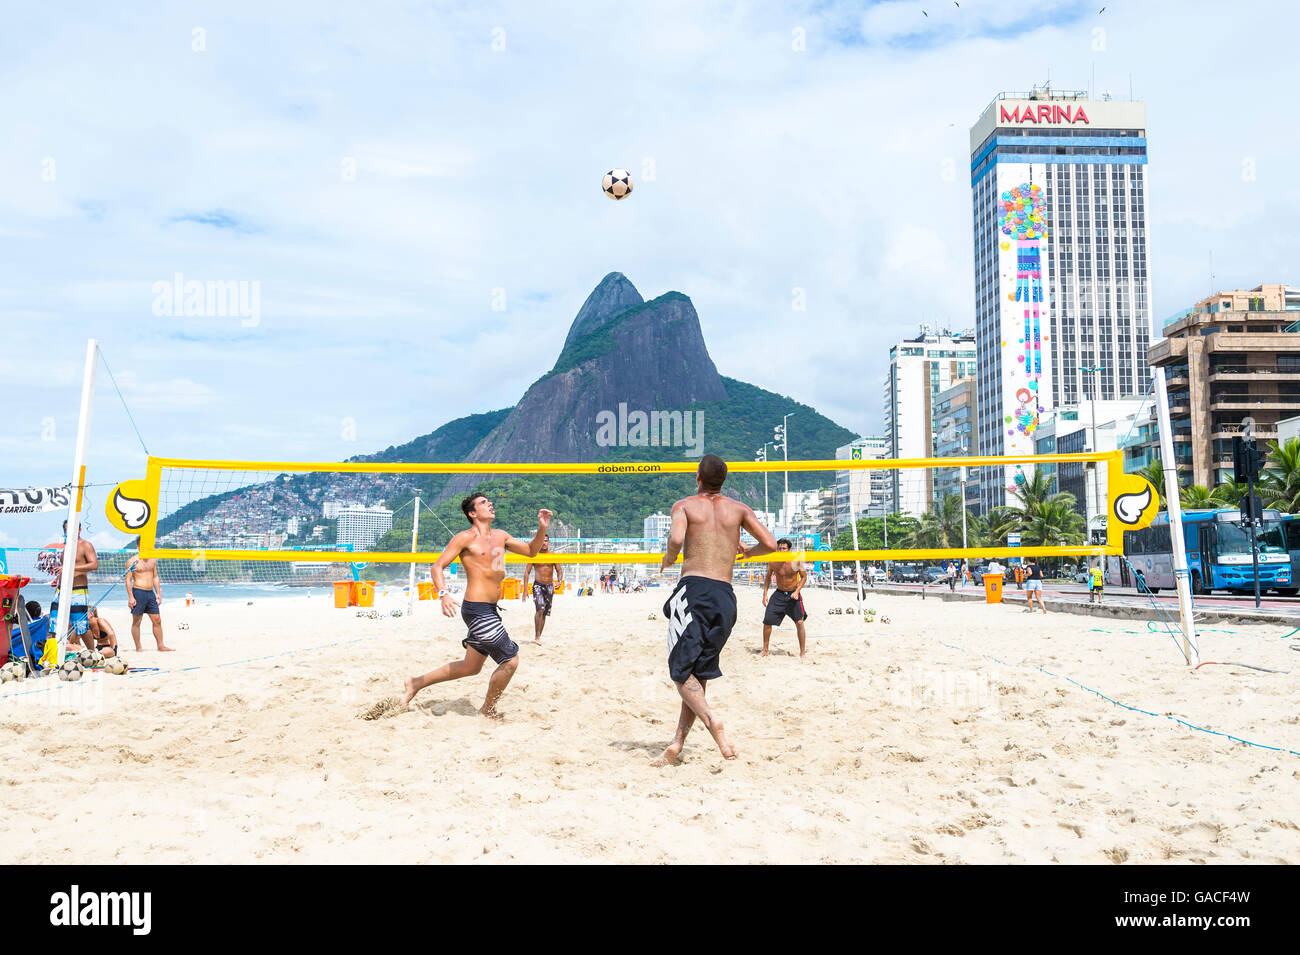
(1058, 189)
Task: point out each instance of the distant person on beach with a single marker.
(144, 596)
(702, 608)
(481, 550)
(788, 600)
(1034, 585)
(1096, 582)
(86, 560)
(544, 582)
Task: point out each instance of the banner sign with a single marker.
(34, 500)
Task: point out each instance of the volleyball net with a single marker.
(619, 511)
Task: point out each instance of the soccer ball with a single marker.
(90, 658)
(617, 184)
(71, 670)
(13, 670)
(115, 665)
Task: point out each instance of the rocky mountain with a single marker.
(633, 382)
(649, 356)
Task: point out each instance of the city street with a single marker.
(1122, 596)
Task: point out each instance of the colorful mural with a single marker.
(1021, 214)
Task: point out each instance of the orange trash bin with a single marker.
(342, 593)
(365, 593)
(426, 591)
(993, 588)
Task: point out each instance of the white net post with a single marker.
(64, 621)
(415, 541)
(1182, 578)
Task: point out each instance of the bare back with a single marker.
(713, 525)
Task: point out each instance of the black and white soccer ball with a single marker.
(115, 665)
(617, 184)
(71, 670)
(13, 670)
(89, 659)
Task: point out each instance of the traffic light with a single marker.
(1247, 460)
(1252, 509)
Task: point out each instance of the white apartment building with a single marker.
(919, 369)
(362, 526)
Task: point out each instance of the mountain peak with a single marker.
(612, 295)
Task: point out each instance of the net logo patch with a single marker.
(121, 909)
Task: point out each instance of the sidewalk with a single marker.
(1062, 604)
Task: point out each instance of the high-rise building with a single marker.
(1229, 358)
(919, 369)
(861, 492)
(656, 526)
(954, 425)
(362, 526)
(1058, 185)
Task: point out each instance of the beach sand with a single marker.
(272, 735)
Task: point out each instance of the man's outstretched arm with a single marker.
(534, 546)
(676, 536)
(766, 542)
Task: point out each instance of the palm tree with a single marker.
(1279, 485)
(941, 527)
(1230, 493)
(1197, 496)
(1055, 522)
(1155, 474)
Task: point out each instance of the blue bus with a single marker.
(1218, 554)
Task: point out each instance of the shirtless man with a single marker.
(481, 550)
(86, 561)
(545, 577)
(702, 608)
(143, 593)
(787, 601)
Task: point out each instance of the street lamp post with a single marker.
(1093, 370)
(782, 436)
(762, 456)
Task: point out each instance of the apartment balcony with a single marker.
(1240, 403)
(1230, 431)
(1270, 373)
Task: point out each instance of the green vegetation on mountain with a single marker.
(604, 339)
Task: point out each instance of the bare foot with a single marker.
(411, 689)
(669, 755)
(720, 737)
(764, 653)
(163, 649)
(491, 714)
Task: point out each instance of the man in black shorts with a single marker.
(702, 608)
(482, 552)
(543, 590)
(788, 599)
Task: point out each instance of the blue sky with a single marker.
(386, 172)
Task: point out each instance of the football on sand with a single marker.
(617, 184)
(13, 670)
(71, 670)
(90, 658)
(115, 665)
